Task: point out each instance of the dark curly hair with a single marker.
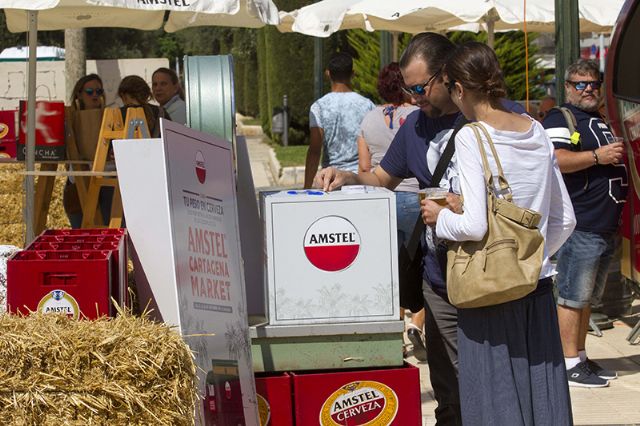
(135, 87)
(390, 84)
(475, 66)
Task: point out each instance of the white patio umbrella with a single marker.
(33, 15)
(413, 16)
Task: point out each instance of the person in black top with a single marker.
(589, 157)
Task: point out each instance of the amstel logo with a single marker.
(332, 243)
(264, 411)
(364, 403)
(4, 130)
(201, 170)
(59, 302)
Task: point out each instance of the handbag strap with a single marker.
(445, 159)
(488, 174)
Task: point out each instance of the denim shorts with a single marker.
(583, 267)
(407, 212)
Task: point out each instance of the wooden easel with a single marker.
(134, 127)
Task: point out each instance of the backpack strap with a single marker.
(571, 125)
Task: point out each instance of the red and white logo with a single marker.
(332, 243)
(365, 403)
(201, 170)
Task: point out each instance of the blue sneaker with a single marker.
(582, 376)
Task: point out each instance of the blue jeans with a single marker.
(407, 211)
(583, 267)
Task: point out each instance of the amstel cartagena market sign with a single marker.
(179, 199)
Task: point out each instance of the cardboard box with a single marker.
(331, 257)
(50, 141)
(360, 397)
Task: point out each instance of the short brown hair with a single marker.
(432, 48)
(135, 87)
(475, 66)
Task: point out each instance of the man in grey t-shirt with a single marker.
(334, 121)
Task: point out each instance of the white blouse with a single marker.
(531, 168)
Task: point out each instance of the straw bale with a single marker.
(11, 179)
(11, 208)
(12, 234)
(124, 370)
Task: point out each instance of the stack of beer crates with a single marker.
(71, 271)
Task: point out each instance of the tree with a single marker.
(510, 49)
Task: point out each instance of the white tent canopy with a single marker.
(33, 15)
(413, 16)
(69, 14)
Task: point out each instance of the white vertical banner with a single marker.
(206, 294)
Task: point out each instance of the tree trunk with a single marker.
(75, 64)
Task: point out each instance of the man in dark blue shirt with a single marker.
(589, 158)
(415, 152)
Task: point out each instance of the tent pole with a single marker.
(491, 25)
(31, 125)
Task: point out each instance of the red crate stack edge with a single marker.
(76, 272)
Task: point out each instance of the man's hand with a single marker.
(430, 211)
(610, 154)
(330, 179)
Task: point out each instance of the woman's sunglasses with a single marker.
(581, 85)
(89, 91)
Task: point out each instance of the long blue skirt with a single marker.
(511, 366)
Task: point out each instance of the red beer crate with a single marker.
(274, 399)
(113, 241)
(381, 397)
(71, 282)
(88, 231)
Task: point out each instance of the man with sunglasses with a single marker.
(415, 152)
(590, 160)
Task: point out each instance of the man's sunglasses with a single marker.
(421, 89)
(89, 91)
(581, 85)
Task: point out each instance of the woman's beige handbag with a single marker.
(505, 265)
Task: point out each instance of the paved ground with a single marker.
(619, 404)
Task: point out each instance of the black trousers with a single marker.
(441, 336)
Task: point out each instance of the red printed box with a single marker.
(50, 143)
(71, 282)
(8, 134)
(93, 236)
(359, 397)
(87, 231)
(274, 394)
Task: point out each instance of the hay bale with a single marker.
(123, 370)
(11, 179)
(12, 199)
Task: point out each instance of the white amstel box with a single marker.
(331, 257)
